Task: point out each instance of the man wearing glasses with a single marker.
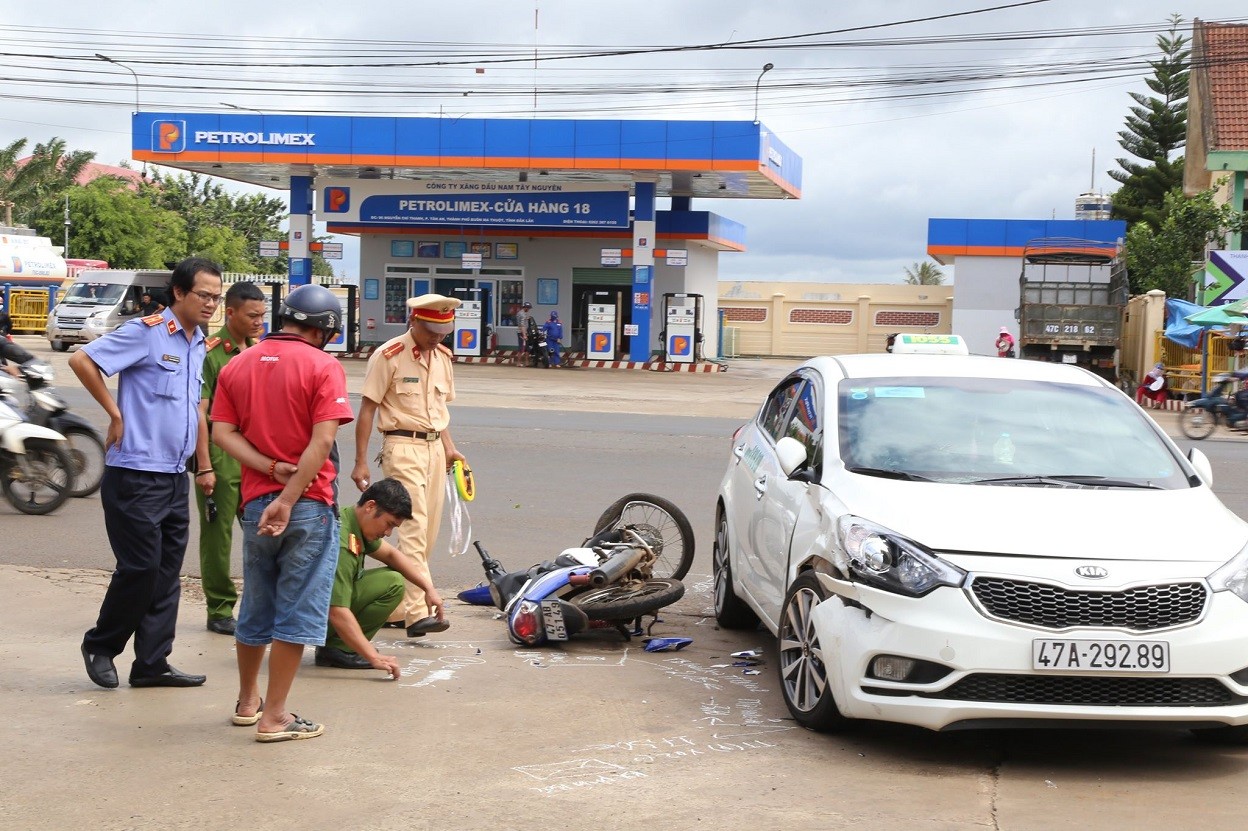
(154, 424)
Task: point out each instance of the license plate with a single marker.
(1101, 656)
(552, 619)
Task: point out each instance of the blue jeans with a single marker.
(287, 579)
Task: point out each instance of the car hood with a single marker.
(1113, 524)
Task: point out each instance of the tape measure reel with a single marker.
(463, 481)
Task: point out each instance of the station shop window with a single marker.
(510, 296)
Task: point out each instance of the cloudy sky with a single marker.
(901, 111)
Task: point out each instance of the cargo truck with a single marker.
(1072, 297)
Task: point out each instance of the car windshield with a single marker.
(1001, 432)
(94, 294)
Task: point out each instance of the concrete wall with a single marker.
(806, 319)
(987, 300)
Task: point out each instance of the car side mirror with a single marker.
(1200, 462)
(791, 453)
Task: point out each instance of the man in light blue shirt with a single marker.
(153, 425)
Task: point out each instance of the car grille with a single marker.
(1090, 690)
(70, 322)
(1041, 604)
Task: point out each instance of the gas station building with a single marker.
(561, 213)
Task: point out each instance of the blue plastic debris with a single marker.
(667, 644)
(477, 596)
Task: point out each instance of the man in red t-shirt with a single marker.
(277, 410)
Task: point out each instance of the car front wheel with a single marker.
(803, 665)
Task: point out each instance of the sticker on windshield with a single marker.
(858, 394)
(900, 392)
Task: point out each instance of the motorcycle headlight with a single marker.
(886, 560)
(1232, 576)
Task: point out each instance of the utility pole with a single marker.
(66, 254)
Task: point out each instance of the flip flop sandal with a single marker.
(246, 721)
(300, 728)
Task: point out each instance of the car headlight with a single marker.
(881, 558)
(1232, 576)
(96, 321)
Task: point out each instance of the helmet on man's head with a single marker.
(526, 304)
(554, 315)
(315, 307)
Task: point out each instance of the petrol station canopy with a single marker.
(699, 159)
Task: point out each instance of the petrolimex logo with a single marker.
(168, 136)
(337, 200)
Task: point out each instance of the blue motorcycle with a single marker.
(610, 579)
(1200, 417)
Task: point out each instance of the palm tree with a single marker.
(924, 274)
(46, 174)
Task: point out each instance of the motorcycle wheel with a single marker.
(86, 452)
(54, 479)
(664, 526)
(1197, 423)
(626, 603)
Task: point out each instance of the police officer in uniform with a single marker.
(217, 482)
(408, 384)
(153, 428)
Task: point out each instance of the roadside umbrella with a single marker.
(1219, 316)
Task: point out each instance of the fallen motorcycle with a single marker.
(609, 579)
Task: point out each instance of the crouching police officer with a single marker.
(363, 598)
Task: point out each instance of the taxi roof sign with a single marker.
(929, 345)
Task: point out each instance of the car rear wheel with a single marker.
(803, 667)
(731, 612)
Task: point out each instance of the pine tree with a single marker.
(1155, 131)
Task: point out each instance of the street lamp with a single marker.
(767, 67)
(131, 71)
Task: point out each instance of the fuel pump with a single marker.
(600, 323)
(682, 331)
(468, 320)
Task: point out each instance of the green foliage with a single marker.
(1163, 258)
(49, 172)
(113, 223)
(924, 274)
(216, 220)
(1155, 131)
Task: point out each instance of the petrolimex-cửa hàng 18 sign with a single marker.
(522, 204)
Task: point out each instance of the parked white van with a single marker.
(98, 301)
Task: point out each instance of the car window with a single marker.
(804, 423)
(969, 429)
(772, 418)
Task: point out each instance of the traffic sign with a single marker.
(331, 250)
(270, 248)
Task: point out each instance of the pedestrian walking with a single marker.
(1005, 344)
(218, 477)
(154, 424)
(407, 387)
(277, 410)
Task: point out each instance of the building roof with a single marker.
(93, 170)
(715, 159)
(1220, 70)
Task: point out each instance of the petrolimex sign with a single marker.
(172, 136)
(517, 205)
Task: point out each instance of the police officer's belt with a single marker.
(408, 434)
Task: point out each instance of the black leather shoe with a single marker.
(426, 625)
(221, 625)
(169, 678)
(100, 669)
(328, 656)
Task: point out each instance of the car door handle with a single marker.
(739, 452)
(760, 486)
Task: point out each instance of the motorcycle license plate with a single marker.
(552, 619)
(1101, 656)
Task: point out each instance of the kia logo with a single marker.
(1092, 572)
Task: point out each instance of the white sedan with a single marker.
(957, 542)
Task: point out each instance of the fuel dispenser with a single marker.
(682, 332)
(600, 325)
(468, 321)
